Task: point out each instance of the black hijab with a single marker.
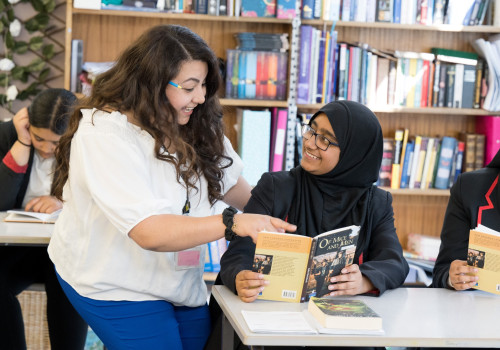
(342, 196)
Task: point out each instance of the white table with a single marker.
(425, 317)
(17, 233)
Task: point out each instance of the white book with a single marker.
(30, 216)
(459, 85)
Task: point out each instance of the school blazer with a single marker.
(12, 185)
(474, 200)
(379, 253)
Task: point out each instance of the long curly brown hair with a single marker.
(137, 82)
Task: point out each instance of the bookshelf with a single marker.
(105, 33)
(415, 211)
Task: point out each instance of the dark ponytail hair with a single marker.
(51, 109)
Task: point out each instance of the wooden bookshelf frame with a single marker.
(107, 32)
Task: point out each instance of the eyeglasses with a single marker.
(176, 85)
(320, 141)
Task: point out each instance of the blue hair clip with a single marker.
(174, 84)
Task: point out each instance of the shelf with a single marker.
(407, 110)
(252, 103)
(397, 26)
(180, 16)
(418, 192)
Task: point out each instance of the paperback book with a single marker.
(344, 314)
(484, 254)
(30, 216)
(299, 267)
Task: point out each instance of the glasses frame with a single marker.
(176, 85)
(307, 127)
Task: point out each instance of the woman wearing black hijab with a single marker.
(474, 200)
(333, 187)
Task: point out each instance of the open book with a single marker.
(299, 267)
(301, 322)
(30, 216)
(484, 254)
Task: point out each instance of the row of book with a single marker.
(426, 12)
(426, 162)
(358, 72)
(422, 162)
(317, 66)
(244, 8)
(256, 74)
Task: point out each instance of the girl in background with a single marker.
(27, 146)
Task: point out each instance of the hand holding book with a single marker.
(350, 281)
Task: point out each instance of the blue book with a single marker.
(396, 17)
(231, 56)
(251, 74)
(321, 68)
(242, 74)
(304, 64)
(405, 173)
(307, 9)
(446, 156)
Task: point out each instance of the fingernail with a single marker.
(333, 280)
(266, 282)
(261, 289)
(261, 276)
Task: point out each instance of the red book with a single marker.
(489, 125)
(272, 64)
(425, 84)
(262, 76)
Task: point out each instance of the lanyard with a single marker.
(187, 205)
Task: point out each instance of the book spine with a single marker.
(469, 80)
(396, 163)
(405, 172)
(342, 70)
(304, 65)
(445, 159)
(304, 296)
(479, 151)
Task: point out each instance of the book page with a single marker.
(277, 322)
(282, 259)
(484, 254)
(29, 216)
(332, 252)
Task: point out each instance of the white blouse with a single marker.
(115, 181)
(42, 172)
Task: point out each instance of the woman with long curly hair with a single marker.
(140, 169)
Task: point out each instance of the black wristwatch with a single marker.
(228, 220)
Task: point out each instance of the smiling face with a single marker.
(44, 141)
(190, 90)
(315, 160)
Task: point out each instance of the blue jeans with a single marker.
(143, 325)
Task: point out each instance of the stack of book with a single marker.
(258, 68)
